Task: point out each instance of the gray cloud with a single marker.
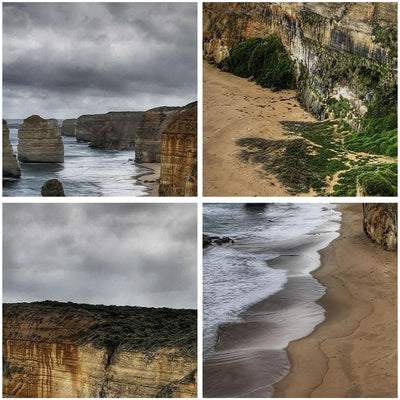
(67, 59)
(124, 254)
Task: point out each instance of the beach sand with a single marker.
(236, 108)
(151, 178)
(353, 353)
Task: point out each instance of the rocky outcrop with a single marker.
(10, 164)
(52, 188)
(178, 176)
(114, 130)
(40, 141)
(148, 135)
(68, 127)
(380, 224)
(67, 350)
(342, 50)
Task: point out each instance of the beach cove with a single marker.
(299, 331)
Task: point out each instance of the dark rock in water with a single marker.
(52, 188)
(68, 127)
(208, 240)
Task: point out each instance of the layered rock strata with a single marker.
(66, 350)
(40, 141)
(342, 50)
(148, 135)
(380, 224)
(178, 176)
(68, 127)
(114, 130)
(10, 164)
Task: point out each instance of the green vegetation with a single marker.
(131, 328)
(386, 37)
(264, 59)
(309, 162)
(375, 180)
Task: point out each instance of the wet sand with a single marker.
(236, 108)
(353, 353)
(150, 179)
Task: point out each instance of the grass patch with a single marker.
(266, 60)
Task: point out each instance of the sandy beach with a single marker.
(150, 179)
(236, 108)
(353, 353)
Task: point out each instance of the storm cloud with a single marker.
(121, 254)
(63, 60)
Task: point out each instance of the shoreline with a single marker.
(153, 170)
(250, 355)
(356, 344)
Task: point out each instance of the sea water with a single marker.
(260, 263)
(85, 172)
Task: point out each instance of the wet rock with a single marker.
(52, 188)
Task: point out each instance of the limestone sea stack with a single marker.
(178, 176)
(40, 141)
(68, 127)
(380, 224)
(10, 164)
(114, 130)
(148, 136)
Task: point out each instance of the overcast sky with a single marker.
(122, 254)
(62, 60)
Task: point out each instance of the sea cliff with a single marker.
(178, 159)
(10, 164)
(55, 349)
(40, 141)
(344, 52)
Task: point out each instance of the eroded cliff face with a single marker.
(114, 130)
(68, 127)
(148, 136)
(342, 50)
(46, 353)
(380, 224)
(178, 176)
(10, 164)
(39, 140)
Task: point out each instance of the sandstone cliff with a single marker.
(68, 127)
(148, 135)
(10, 164)
(72, 350)
(40, 141)
(380, 224)
(114, 130)
(342, 50)
(178, 176)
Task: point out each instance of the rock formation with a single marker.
(114, 130)
(73, 350)
(342, 50)
(10, 164)
(380, 224)
(40, 141)
(52, 188)
(68, 127)
(148, 135)
(178, 176)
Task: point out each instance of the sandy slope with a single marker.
(235, 108)
(353, 353)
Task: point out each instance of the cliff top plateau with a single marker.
(112, 327)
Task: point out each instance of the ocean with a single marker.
(258, 293)
(85, 171)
